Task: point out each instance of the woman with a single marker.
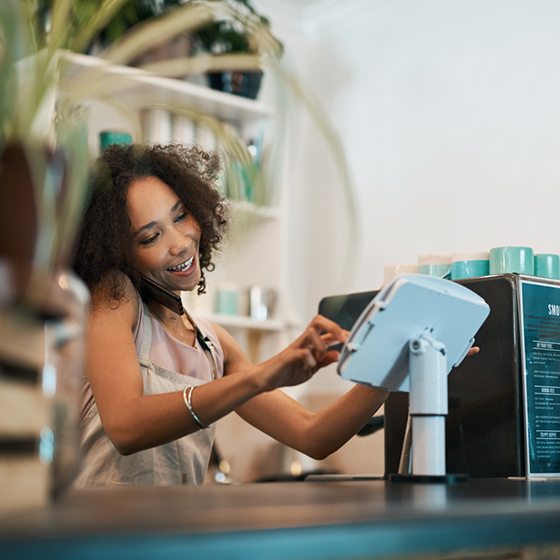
(157, 380)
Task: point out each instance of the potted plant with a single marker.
(229, 36)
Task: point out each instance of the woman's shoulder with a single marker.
(116, 295)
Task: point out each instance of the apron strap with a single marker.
(207, 346)
(146, 344)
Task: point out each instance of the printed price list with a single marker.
(541, 330)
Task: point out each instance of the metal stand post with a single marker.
(428, 408)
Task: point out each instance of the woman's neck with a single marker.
(169, 318)
(178, 326)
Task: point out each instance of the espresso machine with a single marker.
(504, 402)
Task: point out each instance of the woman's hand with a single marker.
(304, 357)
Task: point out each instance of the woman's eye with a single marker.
(149, 240)
(181, 217)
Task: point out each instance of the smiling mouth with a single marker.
(182, 267)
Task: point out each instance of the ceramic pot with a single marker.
(43, 308)
(245, 84)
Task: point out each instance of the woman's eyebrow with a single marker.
(147, 226)
(152, 224)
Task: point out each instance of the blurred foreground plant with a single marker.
(43, 189)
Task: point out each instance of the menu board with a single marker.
(540, 345)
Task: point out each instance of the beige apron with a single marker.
(183, 461)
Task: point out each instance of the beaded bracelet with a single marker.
(188, 402)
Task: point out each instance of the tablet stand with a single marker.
(408, 339)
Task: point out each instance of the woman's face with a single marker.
(165, 237)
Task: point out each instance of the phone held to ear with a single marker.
(150, 291)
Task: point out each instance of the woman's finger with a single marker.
(316, 344)
(329, 331)
(322, 324)
(332, 340)
(329, 358)
(310, 360)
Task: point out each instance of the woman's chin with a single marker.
(184, 282)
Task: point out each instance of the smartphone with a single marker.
(150, 291)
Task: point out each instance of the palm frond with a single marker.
(300, 93)
(156, 31)
(183, 66)
(84, 35)
(17, 44)
(61, 25)
(72, 133)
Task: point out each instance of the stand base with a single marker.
(429, 479)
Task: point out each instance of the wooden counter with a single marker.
(301, 520)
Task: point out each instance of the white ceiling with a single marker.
(296, 3)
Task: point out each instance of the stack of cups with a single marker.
(469, 264)
(547, 266)
(434, 264)
(392, 271)
(504, 260)
(108, 137)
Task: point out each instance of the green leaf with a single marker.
(156, 31)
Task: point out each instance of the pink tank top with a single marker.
(170, 353)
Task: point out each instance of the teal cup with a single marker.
(504, 260)
(109, 137)
(547, 266)
(227, 299)
(439, 270)
(469, 265)
(434, 264)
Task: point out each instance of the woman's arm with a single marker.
(275, 413)
(316, 434)
(133, 421)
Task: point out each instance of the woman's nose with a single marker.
(179, 243)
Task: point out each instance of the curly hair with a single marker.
(104, 245)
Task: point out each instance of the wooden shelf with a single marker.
(247, 208)
(141, 88)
